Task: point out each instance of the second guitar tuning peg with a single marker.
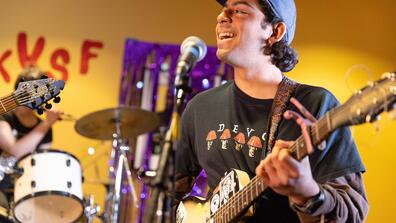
(40, 111)
(48, 106)
(57, 99)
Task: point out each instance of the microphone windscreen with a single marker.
(195, 45)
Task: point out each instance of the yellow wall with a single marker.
(342, 44)
(332, 37)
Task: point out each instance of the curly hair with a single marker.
(282, 55)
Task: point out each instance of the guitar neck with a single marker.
(7, 103)
(245, 197)
(318, 132)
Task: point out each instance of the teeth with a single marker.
(226, 35)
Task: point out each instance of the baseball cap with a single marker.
(283, 9)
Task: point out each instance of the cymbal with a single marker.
(132, 121)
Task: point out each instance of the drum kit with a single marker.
(49, 186)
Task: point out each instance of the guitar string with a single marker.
(314, 130)
(233, 199)
(7, 102)
(244, 196)
(250, 187)
(244, 193)
(13, 98)
(20, 100)
(29, 94)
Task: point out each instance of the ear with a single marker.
(278, 31)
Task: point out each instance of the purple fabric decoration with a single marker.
(135, 62)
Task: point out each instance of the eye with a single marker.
(236, 11)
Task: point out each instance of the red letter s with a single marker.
(65, 57)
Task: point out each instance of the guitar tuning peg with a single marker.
(57, 99)
(40, 111)
(48, 106)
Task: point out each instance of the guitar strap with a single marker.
(283, 94)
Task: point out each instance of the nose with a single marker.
(223, 17)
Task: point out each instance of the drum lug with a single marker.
(33, 184)
(69, 184)
(32, 162)
(68, 162)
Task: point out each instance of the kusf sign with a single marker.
(59, 58)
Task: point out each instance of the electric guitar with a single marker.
(32, 94)
(236, 193)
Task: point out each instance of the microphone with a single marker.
(192, 50)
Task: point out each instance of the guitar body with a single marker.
(199, 210)
(192, 210)
(236, 192)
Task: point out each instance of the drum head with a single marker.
(52, 208)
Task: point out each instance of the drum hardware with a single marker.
(5, 216)
(117, 124)
(146, 175)
(5, 207)
(91, 209)
(121, 164)
(7, 166)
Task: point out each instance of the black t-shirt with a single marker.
(19, 131)
(224, 128)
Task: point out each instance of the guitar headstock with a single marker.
(367, 103)
(35, 93)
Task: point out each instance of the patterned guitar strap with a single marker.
(283, 94)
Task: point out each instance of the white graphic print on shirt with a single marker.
(254, 143)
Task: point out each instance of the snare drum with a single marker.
(50, 188)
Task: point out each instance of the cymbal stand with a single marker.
(91, 209)
(118, 164)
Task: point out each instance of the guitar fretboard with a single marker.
(7, 104)
(245, 197)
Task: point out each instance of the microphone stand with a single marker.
(159, 202)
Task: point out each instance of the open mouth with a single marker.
(223, 36)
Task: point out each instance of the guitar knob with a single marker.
(57, 99)
(48, 106)
(40, 111)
